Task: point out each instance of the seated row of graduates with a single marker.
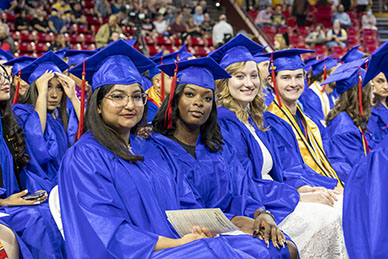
(115, 186)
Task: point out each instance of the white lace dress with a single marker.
(315, 228)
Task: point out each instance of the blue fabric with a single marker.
(344, 142)
(45, 149)
(378, 122)
(18, 63)
(72, 126)
(152, 110)
(345, 78)
(288, 150)
(287, 59)
(146, 83)
(377, 64)
(352, 55)
(269, 95)
(365, 211)
(112, 208)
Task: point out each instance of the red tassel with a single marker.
(16, 97)
(168, 115)
(161, 82)
(366, 64)
(324, 75)
(360, 92)
(274, 81)
(82, 111)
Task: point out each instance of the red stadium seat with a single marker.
(88, 4)
(339, 50)
(291, 22)
(321, 50)
(42, 47)
(27, 47)
(295, 40)
(15, 35)
(197, 41)
(89, 38)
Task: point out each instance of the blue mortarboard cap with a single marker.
(5, 55)
(319, 66)
(78, 56)
(169, 59)
(345, 78)
(239, 49)
(157, 55)
(288, 59)
(261, 58)
(48, 61)
(309, 62)
(357, 63)
(118, 63)
(200, 71)
(130, 42)
(61, 52)
(378, 63)
(19, 63)
(352, 55)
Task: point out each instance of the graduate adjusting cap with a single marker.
(352, 55)
(118, 63)
(378, 63)
(19, 63)
(200, 71)
(238, 49)
(77, 56)
(38, 67)
(5, 55)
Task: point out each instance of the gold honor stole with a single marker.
(153, 96)
(312, 152)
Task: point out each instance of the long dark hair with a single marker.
(31, 96)
(348, 102)
(102, 132)
(210, 130)
(13, 132)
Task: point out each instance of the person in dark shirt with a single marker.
(21, 21)
(39, 23)
(77, 15)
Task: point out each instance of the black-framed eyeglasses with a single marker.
(121, 99)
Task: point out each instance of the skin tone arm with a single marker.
(41, 102)
(16, 199)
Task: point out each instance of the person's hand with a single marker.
(42, 82)
(265, 228)
(324, 197)
(198, 233)
(245, 224)
(68, 85)
(16, 199)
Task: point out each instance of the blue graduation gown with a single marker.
(152, 110)
(365, 211)
(344, 141)
(269, 95)
(45, 149)
(34, 227)
(72, 126)
(285, 142)
(249, 152)
(112, 208)
(378, 122)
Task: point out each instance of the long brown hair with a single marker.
(348, 102)
(225, 99)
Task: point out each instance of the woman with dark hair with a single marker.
(113, 200)
(348, 137)
(188, 138)
(30, 223)
(42, 114)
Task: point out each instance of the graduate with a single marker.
(317, 100)
(189, 140)
(262, 61)
(348, 139)
(160, 81)
(377, 72)
(240, 115)
(43, 116)
(33, 226)
(113, 200)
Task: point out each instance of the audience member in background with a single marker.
(56, 23)
(264, 17)
(160, 25)
(17, 5)
(60, 43)
(62, 10)
(192, 28)
(299, 10)
(39, 23)
(6, 42)
(170, 16)
(178, 27)
(207, 26)
(316, 37)
(343, 17)
(104, 33)
(222, 31)
(147, 27)
(278, 18)
(198, 15)
(185, 14)
(116, 6)
(368, 21)
(362, 5)
(102, 9)
(77, 15)
(203, 4)
(336, 36)
(21, 22)
(280, 42)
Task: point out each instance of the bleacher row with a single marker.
(34, 43)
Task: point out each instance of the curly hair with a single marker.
(225, 99)
(348, 102)
(210, 130)
(13, 132)
(105, 134)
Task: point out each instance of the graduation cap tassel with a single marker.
(324, 75)
(161, 82)
(366, 64)
(16, 97)
(360, 92)
(274, 81)
(168, 115)
(82, 111)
